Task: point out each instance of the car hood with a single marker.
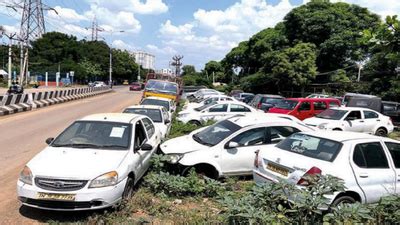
(316, 121)
(279, 110)
(181, 145)
(75, 163)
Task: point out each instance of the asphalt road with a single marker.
(23, 135)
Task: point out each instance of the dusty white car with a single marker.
(92, 164)
(168, 104)
(369, 165)
(158, 114)
(215, 111)
(213, 98)
(227, 147)
(352, 119)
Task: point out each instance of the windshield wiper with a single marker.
(77, 145)
(113, 146)
(198, 139)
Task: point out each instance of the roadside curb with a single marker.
(10, 104)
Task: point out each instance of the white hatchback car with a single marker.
(215, 111)
(352, 119)
(227, 148)
(158, 114)
(168, 104)
(213, 98)
(369, 165)
(93, 164)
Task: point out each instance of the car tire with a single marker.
(195, 122)
(337, 129)
(381, 132)
(128, 191)
(343, 200)
(202, 170)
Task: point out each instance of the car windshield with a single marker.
(332, 114)
(149, 101)
(95, 135)
(286, 104)
(310, 146)
(205, 106)
(272, 101)
(154, 114)
(209, 100)
(214, 134)
(161, 86)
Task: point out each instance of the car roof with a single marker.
(269, 95)
(259, 118)
(158, 98)
(352, 108)
(145, 107)
(340, 136)
(112, 117)
(163, 81)
(311, 99)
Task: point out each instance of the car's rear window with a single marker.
(310, 146)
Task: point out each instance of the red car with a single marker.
(304, 108)
(136, 86)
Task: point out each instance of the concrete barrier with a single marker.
(10, 104)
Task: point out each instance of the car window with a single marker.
(279, 133)
(370, 115)
(154, 114)
(354, 115)
(239, 108)
(149, 127)
(251, 137)
(320, 105)
(140, 135)
(370, 156)
(394, 149)
(305, 106)
(333, 104)
(219, 108)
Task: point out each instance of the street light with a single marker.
(110, 69)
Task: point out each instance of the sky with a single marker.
(200, 30)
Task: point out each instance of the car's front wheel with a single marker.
(343, 200)
(128, 191)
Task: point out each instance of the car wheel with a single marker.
(195, 122)
(338, 129)
(128, 191)
(381, 132)
(203, 170)
(343, 200)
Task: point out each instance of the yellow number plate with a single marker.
(277, 169)
(52, 196)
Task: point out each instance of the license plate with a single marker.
(52, 196)
(278, 169)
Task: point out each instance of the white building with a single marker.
(146, 60)
(165, 71)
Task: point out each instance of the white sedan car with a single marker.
(352, 119)
(158, 114)
(227, 148)
(168, 104)
(93, 164)
(215, 111)
(212, 98)
(369, 165)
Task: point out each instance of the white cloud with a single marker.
(120, 44)
(161, 51)
(67, 14)
(152, 7)
(11, 29)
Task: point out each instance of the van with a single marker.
(265, 101)
(304, 108)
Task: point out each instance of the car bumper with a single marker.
(183, 119)
(85, 198)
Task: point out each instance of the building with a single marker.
(146, 60)
(165, 71)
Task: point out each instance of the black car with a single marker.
(265, 101)
(392, 109)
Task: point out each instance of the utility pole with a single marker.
(176, 62)
(10, 37)
(95, 29)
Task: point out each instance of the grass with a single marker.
(395, 135)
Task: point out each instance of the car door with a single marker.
(371, 119)
(304, 110)
(372, 170)
(152, 138)
(216, 112)
(354, 121)
(394, 150)
(319, 106)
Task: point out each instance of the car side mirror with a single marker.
(232, 144)
(49, 140)
(146, 147)
(167, 121)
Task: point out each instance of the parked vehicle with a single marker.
(93, 164)
(168, 104)
(202, 94)
(368, 165)
(136, 86)
(304, 108)
(235, 92)
(349, 96)
(215, 111)
(212, 98)
(190, 90)
(248, 99)
(392, 109)
(352, 119)
(15, 88)
(317, 95)
(99, 84)
(162, 89)
(242, 96)
(227, 147)
(158, 114)
(265, 102)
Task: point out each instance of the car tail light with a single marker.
(256, 164)
(259, 105)
(311, 172)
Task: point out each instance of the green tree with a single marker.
(188, 70)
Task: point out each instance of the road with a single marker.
(23, 135)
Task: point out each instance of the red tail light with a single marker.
(311, 172)
(256, 164)
(259, 105)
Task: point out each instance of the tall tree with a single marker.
(188, 70)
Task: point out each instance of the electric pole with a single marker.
(95, 29)
(176, 62)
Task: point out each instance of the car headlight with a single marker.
(174, 158)
(323, 126)
(26, 176)
(104, 180)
